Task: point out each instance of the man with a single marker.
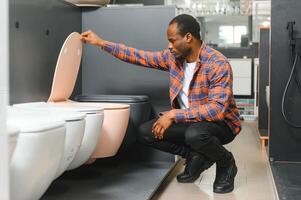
(204, 116)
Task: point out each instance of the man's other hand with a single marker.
(91, 38)
(163, 123)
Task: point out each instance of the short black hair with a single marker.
(187, 24)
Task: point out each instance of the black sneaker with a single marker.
(195, 165)
(225, 174)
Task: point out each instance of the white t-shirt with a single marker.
(183, 94)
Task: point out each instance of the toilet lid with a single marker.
(67, 68)
(31, 121)
(55, 111)
(66, 71)
(76, 107)
(68, 115)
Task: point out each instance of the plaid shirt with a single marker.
(210, 93)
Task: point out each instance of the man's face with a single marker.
(177, 44)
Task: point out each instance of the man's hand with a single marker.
(90, 37)
(163, 123)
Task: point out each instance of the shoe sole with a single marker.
(192, 179)
(229, 189)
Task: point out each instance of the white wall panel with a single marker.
(4, 168)
(242, 76)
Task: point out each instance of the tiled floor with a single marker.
(253, 181)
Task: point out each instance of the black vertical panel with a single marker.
(139, 27)
(285, 141)
(264, 47)
(37, 30)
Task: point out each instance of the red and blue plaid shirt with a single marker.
(210, 93)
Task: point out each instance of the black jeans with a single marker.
(205, 138)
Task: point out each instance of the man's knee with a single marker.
(145, 134)
(197, 137)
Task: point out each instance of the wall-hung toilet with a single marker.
(75, 127)
(90, 134)
(13, 133)
(116, 115)
(94, 123)
(37, 154)
(140, 112)
(113, 129)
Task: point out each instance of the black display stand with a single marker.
(287, 178)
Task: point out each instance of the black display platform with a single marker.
(135, 174)
(287, 178)
(124, 181)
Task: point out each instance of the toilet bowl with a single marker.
(13, 133)
(113, 129)
(140, 111)
(116, 115)
(90, 133)
(75, 127)
(37, 154)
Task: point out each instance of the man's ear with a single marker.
(188, 37)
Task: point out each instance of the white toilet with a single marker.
(75, 128)
(77, 153)
(116, 115)
(93, 129)
(37, 154)
(13, 133)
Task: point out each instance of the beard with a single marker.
(178, 56)
(185, 52)
(182, 51)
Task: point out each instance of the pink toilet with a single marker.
(116, 116)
